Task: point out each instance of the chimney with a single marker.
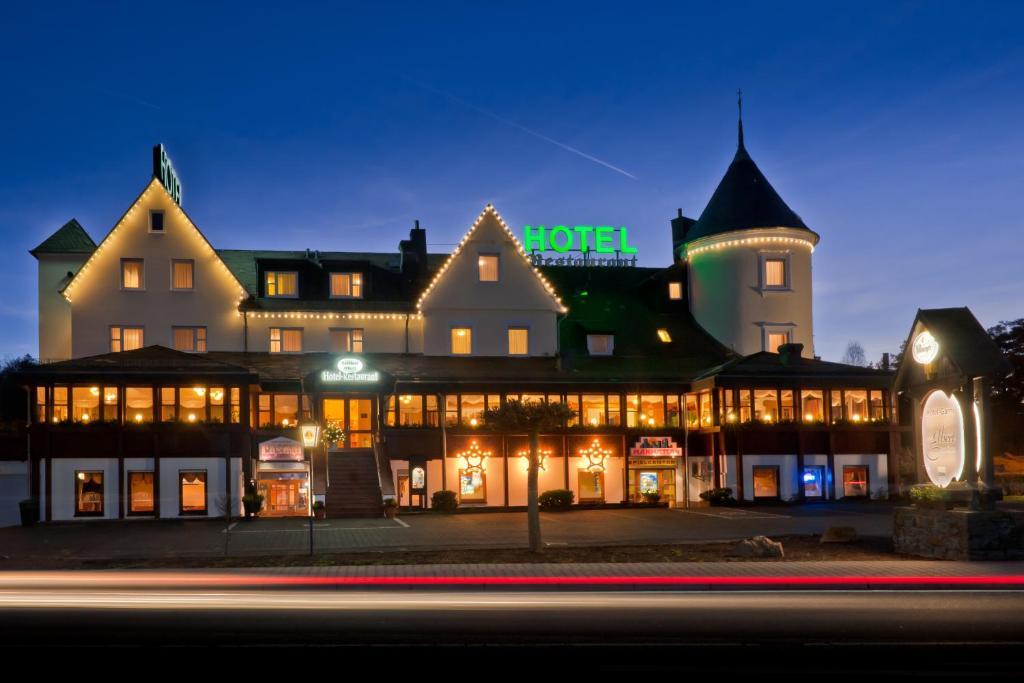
(680, 225)
(885, 361)
(789, 354)
(413, 253)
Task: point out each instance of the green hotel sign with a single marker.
(600, 245)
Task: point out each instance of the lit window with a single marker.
(282, 284)
(191, 339)
(181, 275)
(600, 344)
(675, 290)
(472, 486)
(286, 340)
(775, 272)
(488, 265)
(775, 340)
(663, 335)
(192, 488)
(156, 221)
(140, 493)
(125, 339)
(131, 273)
(347, 285)
(766, 481)
(462, 340)
(347, 340)
(88, 494)
(138, 404)
(591, 486)
(855, 481)
(85, 404)
(518, 341)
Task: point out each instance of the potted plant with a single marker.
(252, 502)
(390, 508)
(331, 434)
(719, 496)
(319, 509)
(650, 497)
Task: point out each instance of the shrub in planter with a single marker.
(252, 502)
(390, 508)
(719, 496)
(444, 501)
(930, 496)
(650, 496)
(556, 499)
(319, 509)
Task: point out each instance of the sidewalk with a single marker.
(699, 576)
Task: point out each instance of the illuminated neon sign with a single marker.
(163, 170)
(350, 370)
(611, 244)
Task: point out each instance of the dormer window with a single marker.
(675, 290)
(156, 221)
(346, 285)
(600, 344)
(282, 284)
(488, 267)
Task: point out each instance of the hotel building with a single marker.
(175, 374)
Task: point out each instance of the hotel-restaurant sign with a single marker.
(349, 370)
(942, 438)
(281, 449)
(599, 245)
(655, 447)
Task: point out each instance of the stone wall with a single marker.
(959, 534)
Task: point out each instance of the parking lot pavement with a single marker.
(168, 538)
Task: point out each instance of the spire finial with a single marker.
(739, 105)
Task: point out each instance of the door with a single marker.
(356, 416)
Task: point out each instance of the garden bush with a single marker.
(556, 499)
(444, 501)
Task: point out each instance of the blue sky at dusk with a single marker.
(893, 129)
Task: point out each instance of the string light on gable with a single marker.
(489, 209)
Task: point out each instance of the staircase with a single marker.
(353, 488)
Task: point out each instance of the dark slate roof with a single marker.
(70, 238)
(766, 366)
(149, 361)
(962, 340)
(744, 199)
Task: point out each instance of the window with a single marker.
(111, 399)
(814, 481)
(125, 338)
(286, 409)
(614, 411)
(236, 405)
(592, 410)
(88, 494)
(786, 404)
(191, 339)
(472, 486)
(766, 482)
(675, 290)
(462, 341)
(216, 395)
(472, 408)
(775, 340)
(664, 336)
(168, 404)
(877, 406)
(600, 344)
(264, 415)
(855, 481)
(775, 273)
(85, 404)
(855, 405)
(591, 486)
(138, 403)
(282, 284)
(286, 340)
(488, 267)
(766, 405)
(40, 404)
(181, 275)
(156, 221)
(518, 341)
(192, 487)
(347, 340)
(347, 285)
(192, 403)
(140, 493)
(132, 273)
(813, 404)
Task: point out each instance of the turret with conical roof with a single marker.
(749, 263)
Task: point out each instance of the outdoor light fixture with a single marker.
(474, 458)
(594, 456)
(310, 434)
(542, 458)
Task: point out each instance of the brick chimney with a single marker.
(789, 354)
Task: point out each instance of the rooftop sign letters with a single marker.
(600, 245)
(655, 447)
(163, 170)
(349, 370)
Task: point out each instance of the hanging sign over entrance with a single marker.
(598, 245)
(349, 370)
(942, 438)
(280, 449)
(655, 447)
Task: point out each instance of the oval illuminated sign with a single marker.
(924, 348)
(942, 438)
(350, 365)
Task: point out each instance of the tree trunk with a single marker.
(532, 508)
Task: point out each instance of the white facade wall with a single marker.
(878, 471)
(726, 290)
(614, 471)
(548, 479)
(63, 486)
(788, 480)
(382, 333)
(14, 488)
(98, 300)
(170, 495)
(490, 330)
(54, 309)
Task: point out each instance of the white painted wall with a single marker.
(551, 478)
(97, 300)
(878, 471)
(614, 486)
(63, 486)
(380, 335)
(787, 474)
(695, 486)
(14, 488)
(170, 495)
(726, 295)
(54, 309)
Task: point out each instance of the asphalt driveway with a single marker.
(144, 539)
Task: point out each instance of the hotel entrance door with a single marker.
(356, 416)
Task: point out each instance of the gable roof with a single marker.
(744, 199)
(489, 210)
(70, 238)
(766, 366)
(145, 362)
(154, 182)
(962, 340)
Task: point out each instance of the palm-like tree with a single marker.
(531, 418)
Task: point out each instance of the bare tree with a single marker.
(226, 505)
(855, 354)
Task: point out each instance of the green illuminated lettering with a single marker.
(603, 239)
(624, 246)
(566, 243)
(534, 237)
(583, 231)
